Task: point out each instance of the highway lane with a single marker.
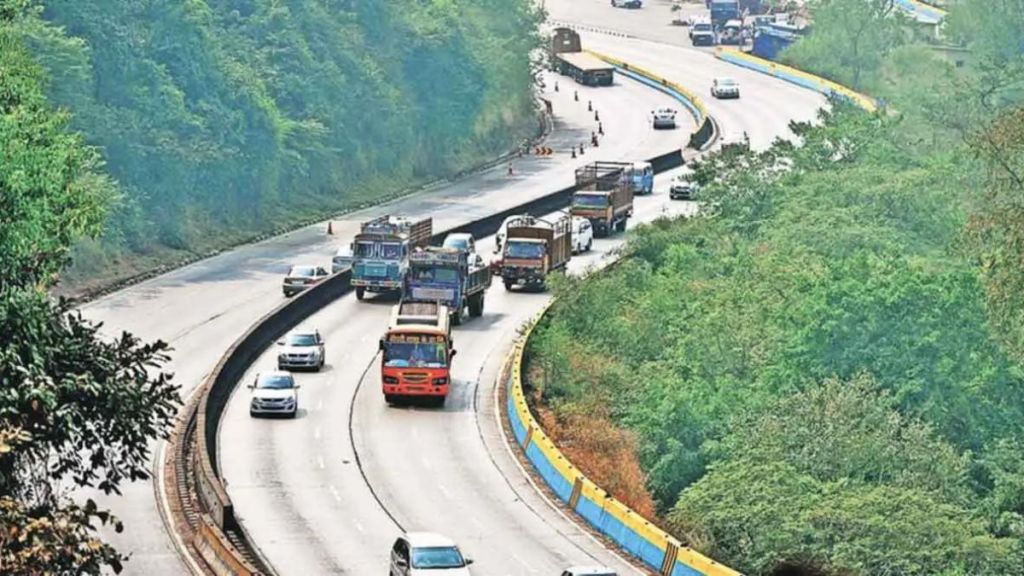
(300, 492)
(201, 309)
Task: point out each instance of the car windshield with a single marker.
(702, 27)
(305, 271)
(524, 250)
(590, 200)
(726, 82)
(442, 275)
(404, 355)
(301, 340)
(437, 558)
(364, 249)
(275, 382)
(390, 251)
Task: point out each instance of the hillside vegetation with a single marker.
(822, 374)
(221, 119)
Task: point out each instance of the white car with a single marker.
(427, 553)
(589, 571)
(683, 188)
(342, 259)
(301, 277)
(301, 349)
(582, 235)
(734, 140)
(664, 118)
(274, 393)
(725, 88)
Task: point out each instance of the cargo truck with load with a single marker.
(416, 352)
(569, 59)
(380, 252)
(456, 278)
(604, 195)
(533, 249)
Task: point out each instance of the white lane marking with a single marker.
(426, 463)
(335, 493)
(444, 491)
(320, 462)
(359, 526)
(316, 433)
(319, 404)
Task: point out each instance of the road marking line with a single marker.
(320, 462)
(316, 433)
(360, 527)
(319, 404)
(444, 491)
(335, 493)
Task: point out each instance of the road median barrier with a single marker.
(199, 510)
(795, 76)
(613, 519)
(706, 131)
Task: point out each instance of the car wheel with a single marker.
(590, 244)
(252, 413)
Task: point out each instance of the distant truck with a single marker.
(604, 195)
(416, 352)
(533, 249)
(724, 10)
(569, 59)
(456, 278)
(380, 252)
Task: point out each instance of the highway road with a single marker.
(201, 309)
(296, 484)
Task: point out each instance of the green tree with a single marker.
(76, 410)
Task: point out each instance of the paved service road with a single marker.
(201, 309)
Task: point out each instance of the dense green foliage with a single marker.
(823, 370)
(75, 410)
(225, 118)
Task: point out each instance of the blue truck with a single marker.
(380, 252)
(456, 278)
(724, 10)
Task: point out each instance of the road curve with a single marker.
(297, 487)
(202, 308)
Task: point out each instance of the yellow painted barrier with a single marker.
(693, 98)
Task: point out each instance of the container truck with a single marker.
(604, 195)
(533, 249)
(416, 352)
(380, 252)
(456, 278)
(569, 59)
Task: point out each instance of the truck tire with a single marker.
(360, 292)
(508, 285)
(621, 226)
(457, 317)
(476, 305)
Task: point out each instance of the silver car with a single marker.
(416, 553)
(300, 278)
(274, 393)
(683, 188)
(725, 88)
(301, 349)
(664, 118)
(342, 259)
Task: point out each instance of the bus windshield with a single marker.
(423, 355)
(524, 250)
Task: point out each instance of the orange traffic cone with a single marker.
(330, 227)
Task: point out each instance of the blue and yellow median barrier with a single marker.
(632, 532)
(794, 76)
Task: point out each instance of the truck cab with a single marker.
(416, 352)
(643, 178)
(453, 277)
(381, 251)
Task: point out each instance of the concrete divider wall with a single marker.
(635, 534)
(794, 76)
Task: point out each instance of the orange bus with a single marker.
(416, 352)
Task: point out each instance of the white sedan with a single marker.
(582, 235)
(725, 88)
(664, 118)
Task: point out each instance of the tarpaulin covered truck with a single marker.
(604, 195)
(456, 278)
(568, 59)
(380, 252)
(534, 248)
